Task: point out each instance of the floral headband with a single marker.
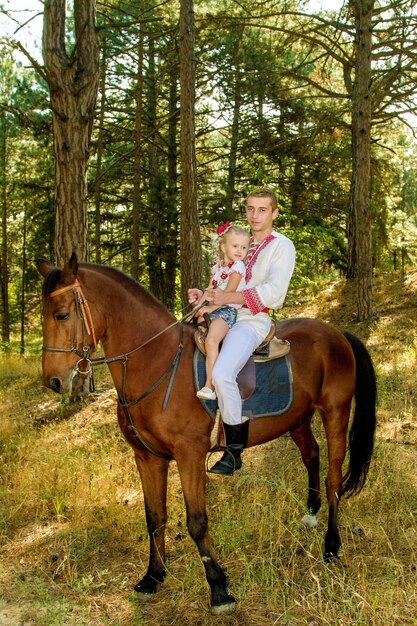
(221, 230)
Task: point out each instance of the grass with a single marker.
(73, 539)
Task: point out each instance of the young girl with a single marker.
(228, 274)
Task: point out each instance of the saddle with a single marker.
(271, 348)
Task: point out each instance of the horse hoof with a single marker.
(143, 597)
(309, 520)
(224, 608)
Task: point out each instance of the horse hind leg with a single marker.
(335, 423)
(153, 473)
(303, 437)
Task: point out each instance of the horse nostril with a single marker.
(55, 384)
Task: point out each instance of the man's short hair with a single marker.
(264, 192)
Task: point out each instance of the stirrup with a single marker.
(225, 450)
(210, 454)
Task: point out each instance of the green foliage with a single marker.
(259, 121)
(27, 174)
(321, 251)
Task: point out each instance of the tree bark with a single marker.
(100, 147)
(171, 247)
(153, 256)
(137, 171)
(361, 155)
(234, 142)
(23, 293)
(4, 267)
(190, 252)
(351, 233)
(73, 82)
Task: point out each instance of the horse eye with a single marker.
(61, 317)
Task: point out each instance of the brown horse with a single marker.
(150, 360)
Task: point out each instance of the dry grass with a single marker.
(72, 528)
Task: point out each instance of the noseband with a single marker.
(83, 315)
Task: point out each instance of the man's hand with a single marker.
(217, 297)
(194, 295)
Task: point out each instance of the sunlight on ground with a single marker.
(73, 531)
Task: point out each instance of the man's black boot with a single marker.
(236, 440)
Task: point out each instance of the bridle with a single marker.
(83, 315)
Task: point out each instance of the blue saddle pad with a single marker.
(273, 394)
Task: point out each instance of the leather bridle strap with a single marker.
(83, 313)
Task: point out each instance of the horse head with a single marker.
(68, 331)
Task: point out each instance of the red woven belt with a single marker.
(265, 310)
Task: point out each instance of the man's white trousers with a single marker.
(238, 345)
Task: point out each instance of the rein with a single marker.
(83, 314)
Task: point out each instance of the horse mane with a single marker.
(54, 276)
(126, 281)
(50, 282)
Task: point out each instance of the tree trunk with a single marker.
(234, 141)
(153, 256)
(23, 294)
(190, 254)
(403, 258)
(100, 145)
(361, 156)
(171, 247)
(137, 171)
(73, 82)
(4, 267)
(351, 234)
(296, 187)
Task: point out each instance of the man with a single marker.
(269, 267)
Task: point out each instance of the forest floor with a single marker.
(73, 539)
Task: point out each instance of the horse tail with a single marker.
(362, 431)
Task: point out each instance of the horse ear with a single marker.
(44, 266)
(70, 270)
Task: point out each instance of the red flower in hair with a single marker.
(223, 228)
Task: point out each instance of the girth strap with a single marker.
(172, 368)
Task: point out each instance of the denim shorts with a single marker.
(227, 313)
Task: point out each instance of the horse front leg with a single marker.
(191, 467)
(153, 473)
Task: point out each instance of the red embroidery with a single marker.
(214, 283)
(253, 258)
(253, 301)
(223, 275)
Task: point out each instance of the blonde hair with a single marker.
(221, 239)
(264, 192)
